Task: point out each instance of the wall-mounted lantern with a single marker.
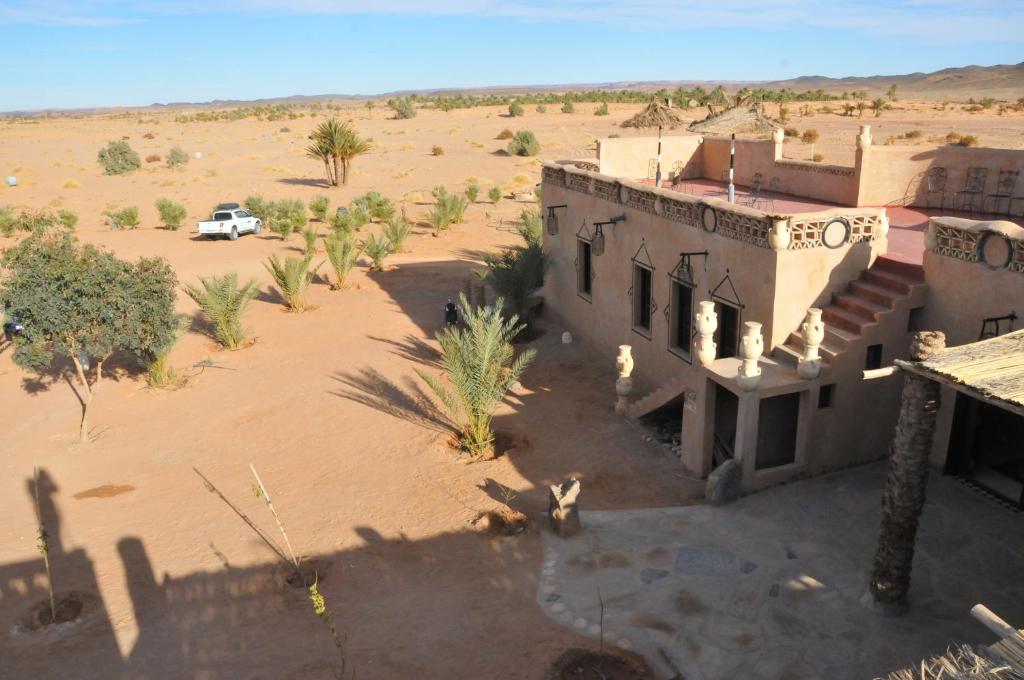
(553, 219)
(597, 243)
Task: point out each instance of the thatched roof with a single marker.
(739, 119)
(654, 115)
(960, 662)
(992, 370)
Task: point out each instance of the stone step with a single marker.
(890, 280)
(885, 297)
(908, 270)
(860, 306)
(843, 319)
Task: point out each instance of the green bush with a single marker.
(396, 231)
(8, 222)
(791, 132)
(515, 109)
(403, 108)
(494, 193)
(118, 158)
(177, 158)
(375, 204)
(309, 237)
(541, 108)
(448, 209)
(524, 144)
(601, 110)
(342, 252)
(287, 217)
(377, 249)
(259, 207)
(568, 107)
(530, 226)
(67, 218)
(125, 218)
(172, 214)
(319, 207)
(472, 192)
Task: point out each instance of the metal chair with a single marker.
(935, 183)
(1005, 185)
(974, 187)
(773, 188)
(754, 195)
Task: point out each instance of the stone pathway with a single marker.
(770, 587)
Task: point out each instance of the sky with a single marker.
(98, 53)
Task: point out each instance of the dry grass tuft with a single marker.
(71, 184)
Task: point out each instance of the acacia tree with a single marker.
(82, 304)
(336, 144)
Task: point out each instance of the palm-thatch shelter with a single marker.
(744, 118)
(960, 662)
(655, 114)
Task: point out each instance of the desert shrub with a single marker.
(480, 366)
(260, 207)
(568, 107)
(914, 134)
(601, 110)
(342, 252)
(437, 151)
(71, 300)
(67, 218)
(784, 113)
(818, 158)
(403, 108)
(223, 302)
(524, 144)
(309, 237)
(292, 277)
(319, 207)
(448, 209)
(287, 217)
(8, 222)
(153, 158)
(177, 158)
(531, 227)
(791, 132)
(494, 193)
(125, 218)
(541, 108)
(377, 249)
(516, 274)
(172, 214)
(118, 158)
(515, 109)
(472, 192)
(149, 135)
(878, 105)
(968, 140)
(397, 230)
(375, 205)
(285, 129)
(810, 136)
(506, 134)
(159, 372)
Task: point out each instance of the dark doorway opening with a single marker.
(727, 406)
(986, 447)
(777, 419)
(728, 333)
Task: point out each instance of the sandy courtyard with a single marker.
(328, 408)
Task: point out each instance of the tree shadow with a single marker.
(307, 182)
(414, 349)
(119, 366)
(410, 402)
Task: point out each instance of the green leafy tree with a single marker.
(342, 252)
(524, 144)
(480, 366)
(319, 207)
(336, 144)
(172, 214)
(891, 92)
(377, 249)
(118, 158)
(259, 207)
(177, 158)
(877, 106)
(292, 277)
(80, 303)
(223, 302)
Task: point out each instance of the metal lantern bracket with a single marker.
(735, 301)
(642, 256)
(583, 233)
(683, 271)
(552, 221)
(993, 326)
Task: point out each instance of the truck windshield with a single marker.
(222, 216)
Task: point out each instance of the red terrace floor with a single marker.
(906, 225)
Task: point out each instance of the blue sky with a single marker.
(81, 53)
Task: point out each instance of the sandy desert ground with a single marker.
(327, 407)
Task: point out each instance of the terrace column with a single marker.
(906, 482)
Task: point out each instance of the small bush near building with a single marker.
(524, 143)
(172, 214)
(818, 157)
(118, 158)
(177, 158)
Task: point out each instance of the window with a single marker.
(681, 324)
(873, 358)
(584, 272)
(825, 395)
(728, 334)
(777, 420)
(643, 291)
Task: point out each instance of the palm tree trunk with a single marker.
(906, 482)
(335, 180)
(344, 171)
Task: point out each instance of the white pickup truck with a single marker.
(229, 220)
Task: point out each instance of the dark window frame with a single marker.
(678, 284)
(636, 293)
(584, 269)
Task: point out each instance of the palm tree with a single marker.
(516, 274)
(481, 365)
(907, 479)
(223, 302)
(877, 106)
(336, 144)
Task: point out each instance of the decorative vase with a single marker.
(812, 330)
(882, 230)
(751, 347)
(624, 383)
(706, 324)
(779, 237)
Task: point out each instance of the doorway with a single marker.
(727, 407)
(986, 447)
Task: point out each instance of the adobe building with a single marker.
(757, 320)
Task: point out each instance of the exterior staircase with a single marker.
(869, 300)
(658, 398)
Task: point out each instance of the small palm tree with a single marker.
(530, 226)
(309, 236)
(223, 302)
(342, 252)
(397, 230)
(877, 106)
(481, 365)
(292, 277)
(377, 249)
(516, 274)
(335, 144)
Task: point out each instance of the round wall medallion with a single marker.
(709, 219)
(835, 233)
(995, 250)
(623, 194)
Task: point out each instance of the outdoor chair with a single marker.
(773, 189)
(754, 195)
(974, 188)
(1005, 185)
(935, 183)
